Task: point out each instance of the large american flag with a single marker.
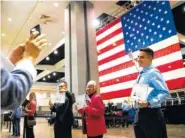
(150, 24)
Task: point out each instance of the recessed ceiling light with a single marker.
(44, 79)
(49, 76)
(3, 34)
(54, 73)
(55, 52)
(47, 58)
(56, 4)
(49, 44)
(9, 19)
(184, 8)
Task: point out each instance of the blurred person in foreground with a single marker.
(15, 85)
(93, 113)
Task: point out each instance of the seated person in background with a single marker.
(15, 85)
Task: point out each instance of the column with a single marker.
(80, 46)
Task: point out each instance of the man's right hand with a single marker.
(33, 46)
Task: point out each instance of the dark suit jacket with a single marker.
(64, 113)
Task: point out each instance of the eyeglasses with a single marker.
(61, 86)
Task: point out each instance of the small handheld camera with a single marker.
(36, 28)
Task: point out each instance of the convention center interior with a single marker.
(93, 69)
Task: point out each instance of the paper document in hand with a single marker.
(140, 92)
(80, 101)
(60, 98)
(87, 99)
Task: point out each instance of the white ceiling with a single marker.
(26, 14)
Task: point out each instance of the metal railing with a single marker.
(121, 10)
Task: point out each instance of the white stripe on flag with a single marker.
(110, 41)
(174, 74)
(156, 62)
(119, 73)
(108, 31)
(167, 59)
(111, 52)
(158, 46)
(119, 86)
(114, 63)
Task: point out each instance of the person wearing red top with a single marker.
(29, 115)
(93, 113)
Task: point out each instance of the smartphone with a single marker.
(36, 28)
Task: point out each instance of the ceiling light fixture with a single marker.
(49, 44)
(184, 8)
(49, 76)
(47, 58)
(3, 34)
(43, 79)
(55, 52)
(56, 4)
(9, 19)
(54, 73)
(96, 23)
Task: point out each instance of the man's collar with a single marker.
(147, 68)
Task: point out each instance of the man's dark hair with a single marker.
(148, 51)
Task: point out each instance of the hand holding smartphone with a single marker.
(36, 28)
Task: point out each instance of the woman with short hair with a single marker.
(93, 113)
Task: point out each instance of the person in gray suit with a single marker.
(15, 85)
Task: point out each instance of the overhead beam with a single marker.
(174, 3)
(54, 68)
(48, 50)
(181, 38)
(43, 87)
(183, 51)
(44, 67)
